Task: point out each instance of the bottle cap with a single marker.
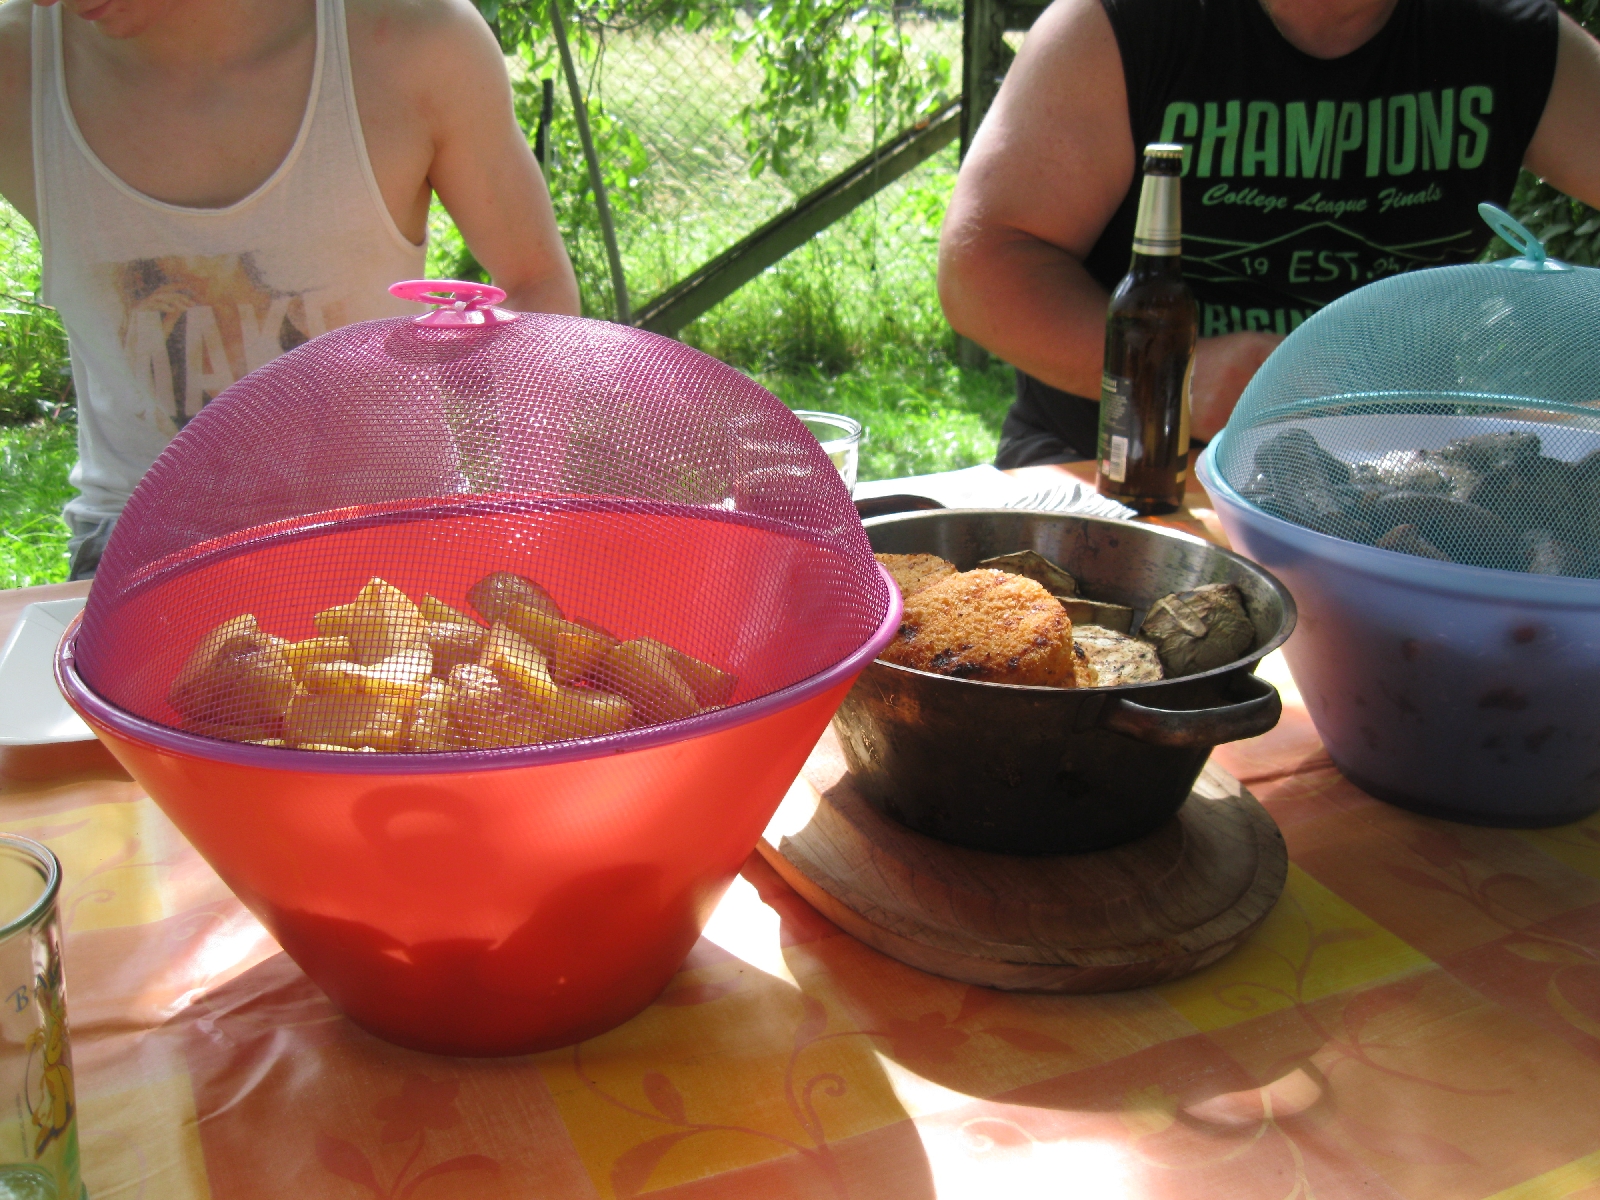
(1163, 158)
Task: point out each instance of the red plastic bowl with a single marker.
(503, 901)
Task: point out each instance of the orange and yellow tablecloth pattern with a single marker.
(1419, 1017)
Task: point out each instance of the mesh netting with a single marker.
(510, 534)
(1451, 414)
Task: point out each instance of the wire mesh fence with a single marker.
(708, 123)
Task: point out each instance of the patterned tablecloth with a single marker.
(1419, 1017)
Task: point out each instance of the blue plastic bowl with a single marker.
(1459, 692)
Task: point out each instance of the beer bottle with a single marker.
(1150, 338)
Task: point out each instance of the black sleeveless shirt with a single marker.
(1305, 178)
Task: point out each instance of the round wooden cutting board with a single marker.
(1142, 913)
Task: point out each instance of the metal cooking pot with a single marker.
(1039, 770)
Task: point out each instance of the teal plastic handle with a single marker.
(1521, 240)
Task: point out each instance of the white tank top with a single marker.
(165, 306)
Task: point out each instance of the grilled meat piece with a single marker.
(1116, 657)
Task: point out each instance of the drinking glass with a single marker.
(38, 1107)
(840, 437)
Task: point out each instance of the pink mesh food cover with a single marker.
(654, 494)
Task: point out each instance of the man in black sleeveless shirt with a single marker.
(1329, 143)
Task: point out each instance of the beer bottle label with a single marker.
(1116, 426)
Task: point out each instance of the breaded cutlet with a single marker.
(913, 572)
(987, 625)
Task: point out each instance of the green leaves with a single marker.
(822, 60)
(35, 377)
(1569, 229)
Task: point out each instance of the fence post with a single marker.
(984, 58)
(580, 114)
(541, 140)
(792, 228)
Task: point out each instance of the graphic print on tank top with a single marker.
(166, 306)
(1305, 178)
(194, 325)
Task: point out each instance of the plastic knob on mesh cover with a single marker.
(460, 303)
(1530, 250)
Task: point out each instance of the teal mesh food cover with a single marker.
(1451, 413)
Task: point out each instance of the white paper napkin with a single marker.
(988, 487)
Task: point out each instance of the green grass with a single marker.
(34, 461)
(918, 418)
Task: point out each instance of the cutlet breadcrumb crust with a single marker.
(985, 625)
(914, 572)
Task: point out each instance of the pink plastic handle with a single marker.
(461, 303)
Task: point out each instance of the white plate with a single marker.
(32, 711)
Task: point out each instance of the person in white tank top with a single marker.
(216, 181)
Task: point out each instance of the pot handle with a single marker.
(1201, 727)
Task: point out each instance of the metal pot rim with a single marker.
(1246, 662)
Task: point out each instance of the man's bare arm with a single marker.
(486, 175)
(16, 82)
(1565, 150)
(431, 68)
(1043, 177)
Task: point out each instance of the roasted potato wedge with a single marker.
(379, 622)
(493, 595)
(537, 626)
(399, 679)
(335, 621)
(571, 647)
(710, 686)
(234, 636)
(576, 652)
(516, 725)
(406, 673)
(437, 611)
(353, 721)
(486, 713)
(583, 712)
(257, 735)
(473, 695)
(518, 664)
(431, 729)
(237, 677)
(335, 679)
(645, 677)
(315, 650)
(454, 643)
